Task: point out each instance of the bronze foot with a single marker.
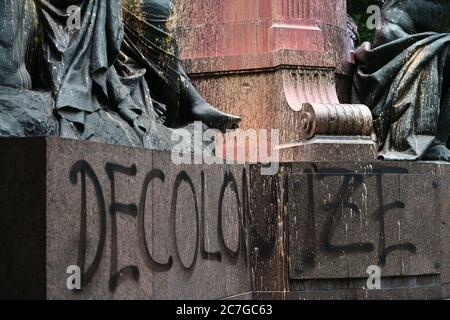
(437, 152)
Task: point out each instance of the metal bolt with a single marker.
(436, 184)
(299, 268)
(297, 184)
(437, 264)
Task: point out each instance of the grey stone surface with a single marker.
(302, 264)
(341, 211)
(42, 226)
(211, 270)
(331, 149)
(221, 231)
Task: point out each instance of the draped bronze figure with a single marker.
(116, 78)
(405, 80)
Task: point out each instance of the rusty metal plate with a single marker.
(340, 223)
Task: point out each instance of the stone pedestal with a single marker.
(331, 149)
(332, 222)
(233, 35)
(138, 226)
(262, 59)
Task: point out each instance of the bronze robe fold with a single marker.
(97, 76)
(405, 83)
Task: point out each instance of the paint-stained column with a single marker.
(261, 59)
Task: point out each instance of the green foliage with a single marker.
(358, 10)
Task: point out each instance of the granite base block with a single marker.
(331, 149)
(331, 224)
(137, 226)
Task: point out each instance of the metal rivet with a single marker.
(299, 268)
(297, 184)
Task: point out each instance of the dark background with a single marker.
(358, 10)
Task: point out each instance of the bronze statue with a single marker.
(114, 78)
(405, 80)
(17, 28)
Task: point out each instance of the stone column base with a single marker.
(330, 149)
